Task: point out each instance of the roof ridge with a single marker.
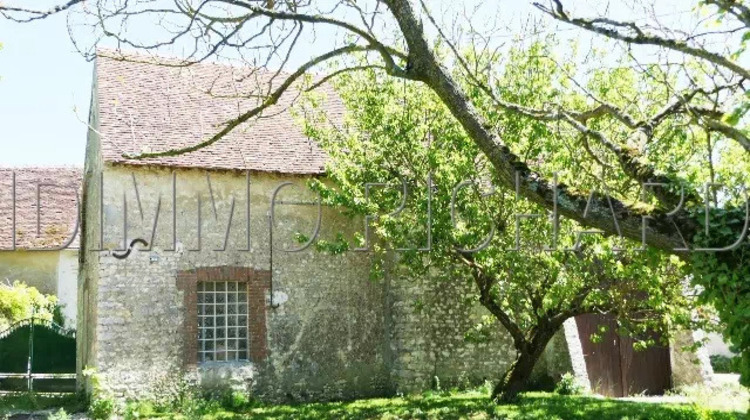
(166, 60)
(144, 106)
(41, 167)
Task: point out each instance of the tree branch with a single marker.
(272, 99)
(612, 29)
(508, 166)
(36, 14)
(484, 284)
(386, 52)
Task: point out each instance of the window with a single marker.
(222, 321)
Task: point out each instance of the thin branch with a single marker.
(612, 29)
(272, 99)
(36, 14)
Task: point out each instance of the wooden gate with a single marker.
(615, 369)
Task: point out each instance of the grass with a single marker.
(27, 402)
(725, 397)
(472, 405)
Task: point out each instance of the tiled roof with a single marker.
(57, 190)
(145, 107)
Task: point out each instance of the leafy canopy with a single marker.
(399, 133)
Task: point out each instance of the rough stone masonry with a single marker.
(331, 332)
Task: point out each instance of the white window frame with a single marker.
(223, 320)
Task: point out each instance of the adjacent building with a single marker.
(39, 219)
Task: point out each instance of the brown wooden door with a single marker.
(603, 357)
(646, 371)
(615, 369)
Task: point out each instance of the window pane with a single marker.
(222, 321)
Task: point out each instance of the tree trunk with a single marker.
(516, 378)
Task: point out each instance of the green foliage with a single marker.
(102, 408)
(712, 396)
(179, 396)
(60, 414)
(102, 404)
(236, 401)
(398, 131)
(467, 405)
(724, 364)
(18, 301)
(471, 404)
(24, 402)
(140, 410)
(723, 277)
(568, 385)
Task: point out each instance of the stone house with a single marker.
(39, 231)
(216, 290)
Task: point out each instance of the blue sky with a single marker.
(43, 79)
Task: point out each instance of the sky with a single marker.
(45, 87)
(42, 80)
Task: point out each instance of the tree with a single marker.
(527, 292)
(701, 104)
(19, 301)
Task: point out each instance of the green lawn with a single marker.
(466, 405)
(475, 405)
(12, 403)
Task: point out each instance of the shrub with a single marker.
(236, 401)
(102, 405)
(724, 364)
(139, 409)
(18, 301)
(59, 415)
(568, 385)
(102, 408)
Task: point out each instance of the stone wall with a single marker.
(332, 333)
(689, 366)
(431, 319)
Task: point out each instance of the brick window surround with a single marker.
(257, 286)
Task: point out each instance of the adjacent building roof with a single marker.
(53, 222)
(147, 107)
